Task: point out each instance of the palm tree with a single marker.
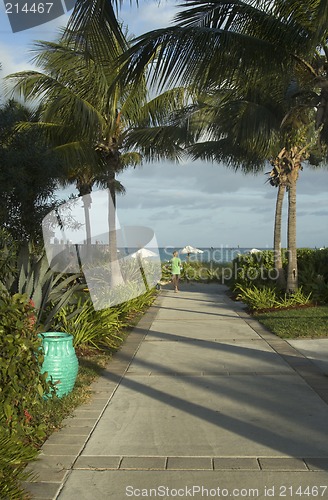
(91, 118)
(215, 44)
(278, 178)
(80, 116)
(245, 129)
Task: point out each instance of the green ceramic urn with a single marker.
(60, 360)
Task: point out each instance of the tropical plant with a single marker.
(22, 384)
(48, 290)
(90, 116)
(8, 259)
(313, 272)
(97, 329)
(24, 155)
(266, 297)
(13, 459)
(254, 269)
(276, 45)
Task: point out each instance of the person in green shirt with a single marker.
(176, 270)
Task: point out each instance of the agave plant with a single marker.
(49, 290)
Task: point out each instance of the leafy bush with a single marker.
(265, 297)
(21, 385)
(89, 327)
(254, 269)
(13, 458)
(313, 272)
(257, 298)
(257, 270)
(298, 298)
(138, 304)
(8, 259)
(100, 328)
(198, 271)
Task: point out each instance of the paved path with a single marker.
(201, 402)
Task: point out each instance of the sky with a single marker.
(191, 203)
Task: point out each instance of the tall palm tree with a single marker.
(217, 43)
(90, 117)
(278, 178)
(245, 129)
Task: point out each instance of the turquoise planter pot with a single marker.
(60, 360)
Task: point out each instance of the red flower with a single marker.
(28, 416)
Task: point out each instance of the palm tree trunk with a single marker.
(292, 278)
(85, 189)
(281, 280)
(86, 208)
(115, 275)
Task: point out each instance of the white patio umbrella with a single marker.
(255, 250)
(189, 249)
(144, 253)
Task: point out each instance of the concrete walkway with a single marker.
(201, 402)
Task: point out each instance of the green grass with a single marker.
(309, 322)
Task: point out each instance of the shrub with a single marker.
(258, 298)
(198, 271)
(313, 272)
(8, 259)
(257, 270)
(97, 329)
(254, 269)
(138, 303)
(21, 385)
(13, 458)
(100, 328)
(166, 271)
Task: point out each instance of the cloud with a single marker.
(149, 15)
(313, 181)
(198, 203)
(195, 220)
(16, 49)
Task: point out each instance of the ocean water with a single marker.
(219, 255)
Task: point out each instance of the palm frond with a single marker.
(211, 41)
(234, 156)
(76, 154)
(158, 142)
(93, 24)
